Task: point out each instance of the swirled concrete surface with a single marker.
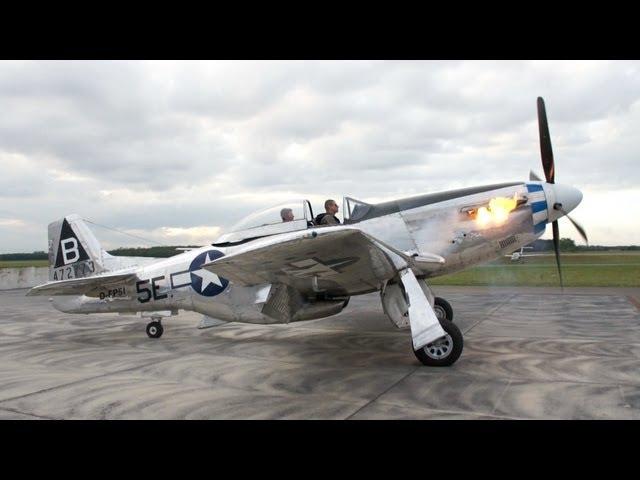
(529, 354)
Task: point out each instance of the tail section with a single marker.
(74, 251)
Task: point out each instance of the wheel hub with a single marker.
(440, 313)
(441, 348)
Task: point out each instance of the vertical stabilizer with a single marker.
(74, 251)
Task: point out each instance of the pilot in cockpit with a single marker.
(286, 214)
(329, 217)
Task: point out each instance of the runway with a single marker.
(529, 354)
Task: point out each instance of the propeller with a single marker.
(556, 247)
(581, 231)
(546, 153)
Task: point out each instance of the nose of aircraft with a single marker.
(569, 197)
(565, 199)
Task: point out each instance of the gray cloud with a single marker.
(144, 145)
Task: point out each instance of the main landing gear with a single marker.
(443, 309)
(443, 351)
(409, 302)
(154, 328)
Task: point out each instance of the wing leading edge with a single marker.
(336, 261)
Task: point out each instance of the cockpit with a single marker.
(289, 216)
(286, 217)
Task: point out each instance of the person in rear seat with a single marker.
(286, 214)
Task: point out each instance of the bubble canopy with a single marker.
(285, 217)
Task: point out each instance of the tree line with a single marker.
(568, 245)
(156, 252)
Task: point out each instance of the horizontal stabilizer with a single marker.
(80, 286)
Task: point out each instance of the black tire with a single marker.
(431, 354)
(444, 306)
(154, 329)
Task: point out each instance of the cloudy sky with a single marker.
(177, 152)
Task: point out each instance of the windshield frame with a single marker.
(352, 205)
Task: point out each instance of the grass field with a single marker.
(23, 263)
(601, 269)
(617, 269)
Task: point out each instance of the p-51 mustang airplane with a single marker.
(269, 271)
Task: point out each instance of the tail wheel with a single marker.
(443, 309)
(445, 350)
(154, 329)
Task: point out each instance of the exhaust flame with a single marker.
(497, 212)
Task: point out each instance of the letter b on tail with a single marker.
(74, 251)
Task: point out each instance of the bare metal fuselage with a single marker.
(443, 228)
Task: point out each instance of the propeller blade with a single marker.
(545, 143)
(533, 177)
(579, 228)
(556, 247)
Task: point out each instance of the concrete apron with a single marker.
(25, 277)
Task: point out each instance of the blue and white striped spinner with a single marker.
(538, 202)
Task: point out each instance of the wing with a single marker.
(80, 286)
(333, 260)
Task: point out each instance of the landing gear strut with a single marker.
(154, 328)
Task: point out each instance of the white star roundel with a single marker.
(203, 281)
